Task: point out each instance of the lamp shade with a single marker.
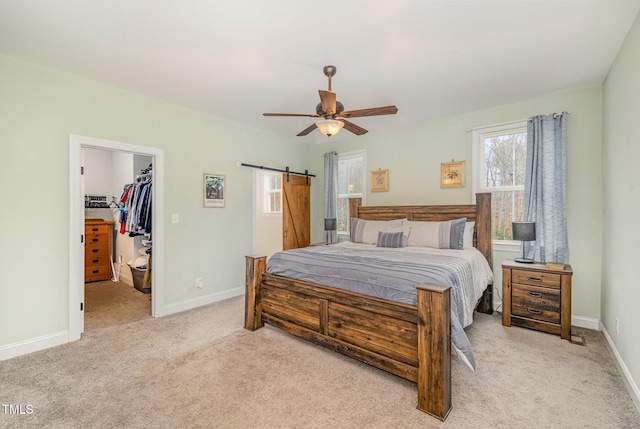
(330, 224)
(524, 231)
(329, 127)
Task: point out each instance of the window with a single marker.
(351, 182)
(272, 193)
(499, 159)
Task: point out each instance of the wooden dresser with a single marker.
(536, 297)
(97, 251)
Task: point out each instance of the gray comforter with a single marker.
(386, 273)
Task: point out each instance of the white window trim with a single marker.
(478, 171)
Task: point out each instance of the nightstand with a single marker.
(536, 297)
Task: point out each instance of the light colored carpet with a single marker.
(113, 303)
(200, 369)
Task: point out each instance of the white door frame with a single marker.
(76, 226)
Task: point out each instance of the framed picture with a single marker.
(380, 181)
(452, 175)
(214, 190)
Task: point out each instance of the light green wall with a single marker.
(621, 202)
(39, 108)
(413, 156)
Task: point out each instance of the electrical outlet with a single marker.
(175, 218)
(617, 326)
(199, 282)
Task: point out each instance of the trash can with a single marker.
(138, 279)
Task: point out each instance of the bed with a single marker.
(410, 340)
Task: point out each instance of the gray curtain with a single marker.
(330, 197)
(545, 188)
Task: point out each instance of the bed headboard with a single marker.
(480, 213)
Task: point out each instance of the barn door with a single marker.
(296, 211)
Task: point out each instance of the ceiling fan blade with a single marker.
(328, 100)
(291, 114)
(372, 111)
(307, 130)
(355, 129)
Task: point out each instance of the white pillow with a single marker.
(423, 234)
(366, 231)
(439, 235)
(468, 234)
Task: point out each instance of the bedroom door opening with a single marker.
(78, 146)
(116, 262)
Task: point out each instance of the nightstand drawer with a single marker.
(536, 303)
(535, 278)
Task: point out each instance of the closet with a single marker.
(107, 175)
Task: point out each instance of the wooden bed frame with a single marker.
(413, 342)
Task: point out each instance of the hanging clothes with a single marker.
(135, 206)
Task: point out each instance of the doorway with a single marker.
(116, 260)
(77, 218)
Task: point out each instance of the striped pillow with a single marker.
(390, 239)
(440, 235)
(366, 231)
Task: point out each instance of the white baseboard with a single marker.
(200, 301)
(33, 345)
(629, 382)
(585, 322)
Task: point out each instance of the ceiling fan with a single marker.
(333, 113)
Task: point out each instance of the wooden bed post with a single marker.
(434, 350)
(483, 226)
(255, 267)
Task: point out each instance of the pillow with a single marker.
(440, 235)
(405, 229)
(366, 231)
(468, 235)
(390, 239)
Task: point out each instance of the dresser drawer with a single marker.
(535, 303)
(95, 249)
(97, 239)
(97, 273)
(97, 229)
(534, 278)
(98, 259)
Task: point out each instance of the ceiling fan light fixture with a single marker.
(329, 127)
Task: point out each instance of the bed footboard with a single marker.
(413, 342)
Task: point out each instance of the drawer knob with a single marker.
(535, 279)
(534, 311)
(536, 294)
(95, 229)
(95, 250)
(95, 261)
(96, 271)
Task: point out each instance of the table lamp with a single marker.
(524, 231)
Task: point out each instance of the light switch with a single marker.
(175, 218)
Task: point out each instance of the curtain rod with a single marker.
(287, 171)
(507, 123)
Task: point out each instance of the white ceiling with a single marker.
(239, 58)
